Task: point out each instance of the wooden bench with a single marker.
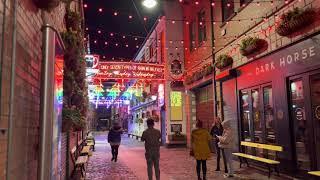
(79, 162)
(86, 151)
(269, 162)
(91, 143)
(315, 173)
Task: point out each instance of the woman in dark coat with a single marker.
(114, 138)
(217, 130)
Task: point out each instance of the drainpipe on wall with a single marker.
(2, 45)
(213, 58)
(12, 85)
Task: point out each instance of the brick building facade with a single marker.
(262, 93)
(21, 59)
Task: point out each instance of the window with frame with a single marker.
(150, 51)
(227, 9)
(202, 35)
(192, 34)
(257, 116)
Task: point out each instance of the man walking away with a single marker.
(151, 137)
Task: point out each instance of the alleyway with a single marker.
(175, 163)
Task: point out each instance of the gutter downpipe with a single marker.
(12, 85)
(2, 44)
(44, 101)
(213, 58)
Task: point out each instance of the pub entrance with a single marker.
(304, 108)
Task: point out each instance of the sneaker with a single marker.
(218, 169)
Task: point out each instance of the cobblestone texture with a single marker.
(175, 164)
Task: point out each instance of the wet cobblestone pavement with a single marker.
(175, 164)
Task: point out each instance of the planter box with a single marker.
(287, 27)
(254, 47)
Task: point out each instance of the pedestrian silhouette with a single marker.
(151, 137)
(200, 139)
(114, 138)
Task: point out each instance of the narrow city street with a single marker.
(175, 163)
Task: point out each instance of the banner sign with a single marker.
(129, 70)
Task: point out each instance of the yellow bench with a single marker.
(78, 161)
(85, 150)
(91, 143)
(269, 162)
(315, 173)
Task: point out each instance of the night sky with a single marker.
(121, 25)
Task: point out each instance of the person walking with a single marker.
(217, 130)
(152, 137)
(114, 138)
(200, 139)
(226, 143)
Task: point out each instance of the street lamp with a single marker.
(149, 3)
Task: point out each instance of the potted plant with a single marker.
(294, 20)
(250, 45)
(47, 5)
(223, 61)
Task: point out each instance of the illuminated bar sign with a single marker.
(129, 70)
(176, 105)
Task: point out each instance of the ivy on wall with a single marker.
(75, 99)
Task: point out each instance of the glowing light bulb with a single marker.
(149, 3)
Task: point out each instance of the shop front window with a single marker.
(268, 114)
(257, 115)
(300, 121)
(245, 116)
(257, 126)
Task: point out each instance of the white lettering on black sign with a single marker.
(289, 59)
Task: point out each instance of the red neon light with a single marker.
(129, 70)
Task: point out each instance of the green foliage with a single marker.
(72, 118)
(223, 61)
(71, 39)
(250, 41)
(293, 14)
(295, 19)
(73, 20)
(76, 96)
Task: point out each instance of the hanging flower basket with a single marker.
(208, 70)
(295, 20)
(197, 76)
(47, 5)
(251, 45)
(223, 61)
(189, 80)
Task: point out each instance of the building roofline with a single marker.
(148, 36)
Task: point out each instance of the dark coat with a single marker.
(114, 135)
(216, 131)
